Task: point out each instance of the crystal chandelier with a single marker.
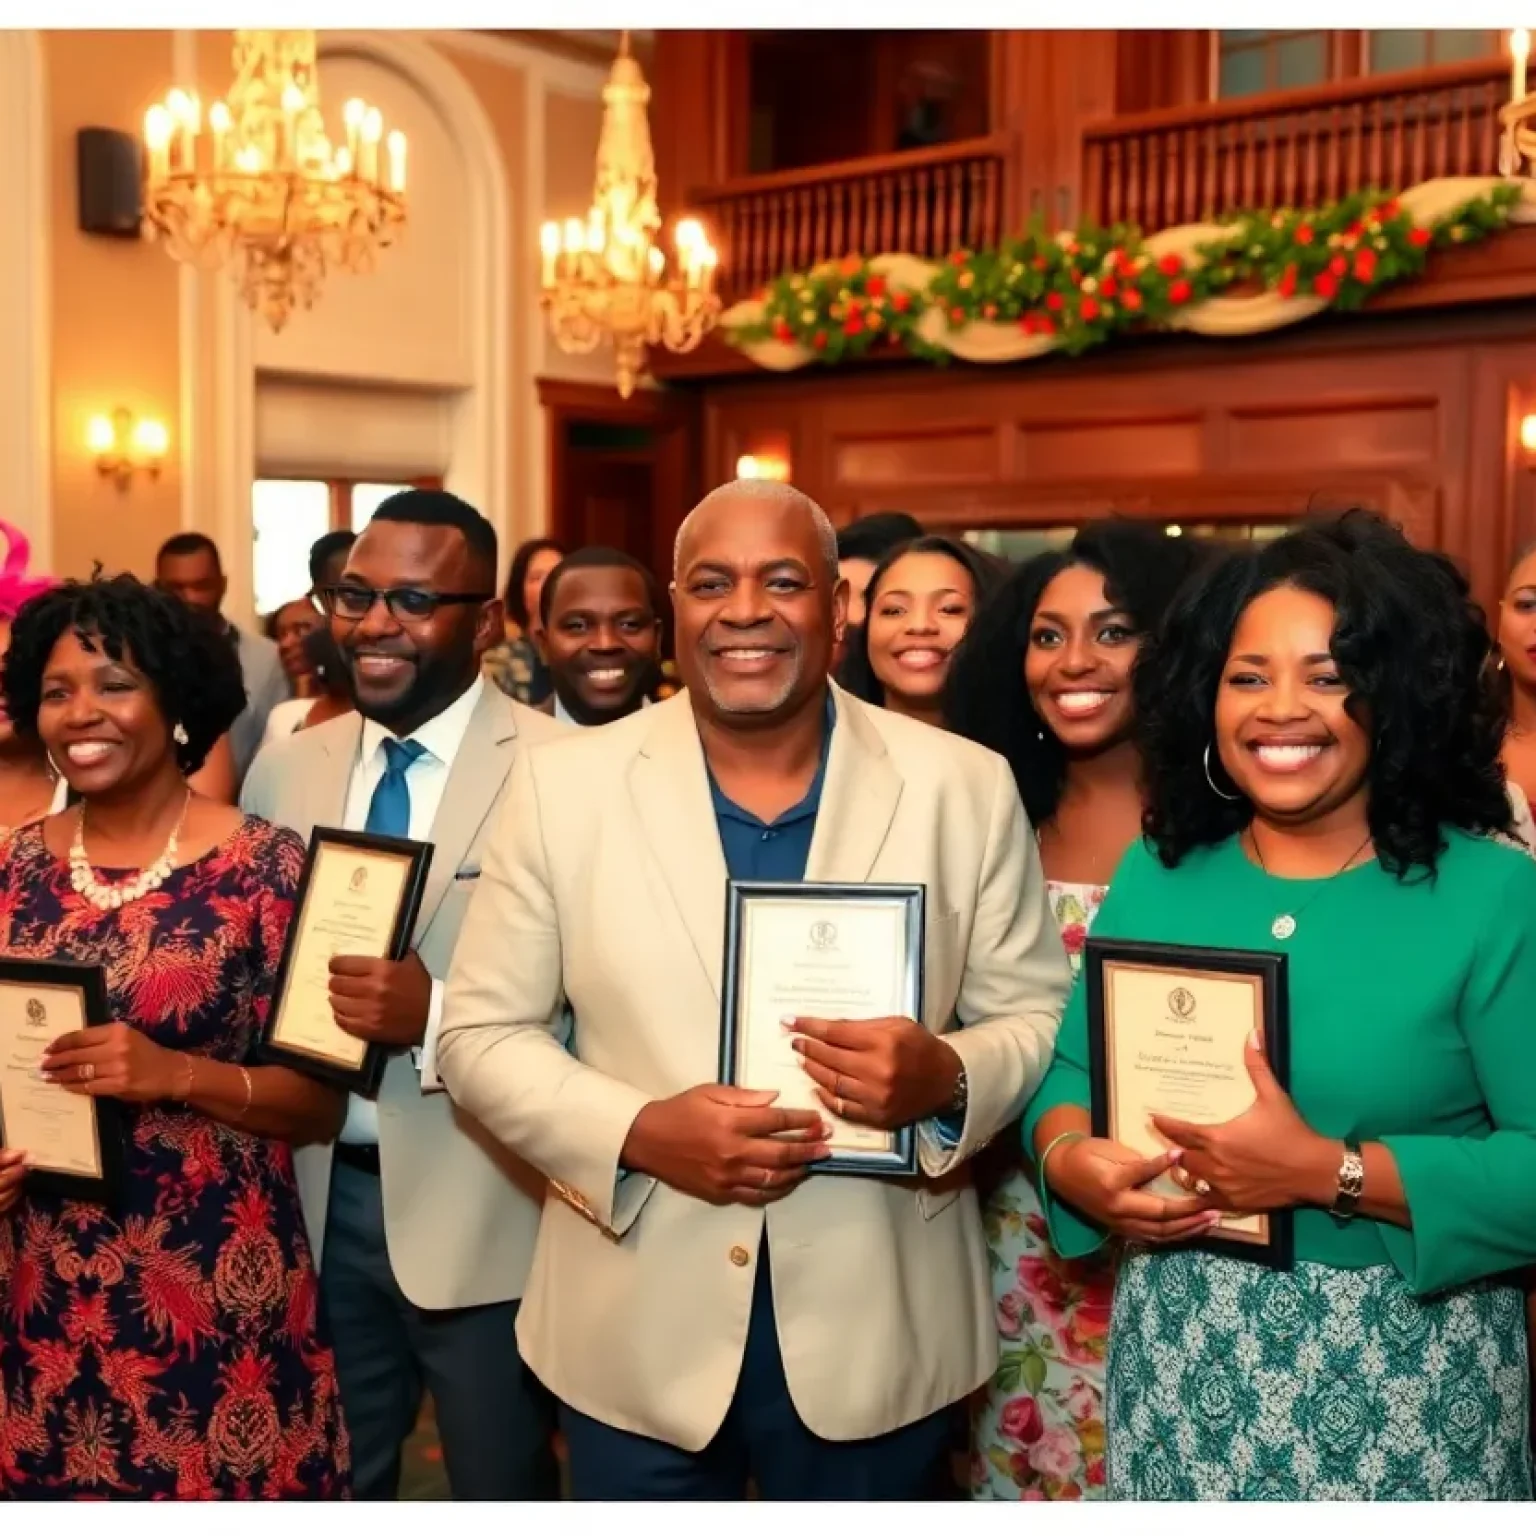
(607, 277)
(262, 191)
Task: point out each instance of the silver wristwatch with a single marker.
(1351, 1182)
(960, 1100)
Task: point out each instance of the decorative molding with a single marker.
(479, 468)
(536, 510)
(193, 425)
(26, 338)
(556, 70)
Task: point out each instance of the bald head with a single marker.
(763, 493)
(758, 604)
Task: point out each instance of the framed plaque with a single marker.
(359, 895)
(73, 1141)
(821, 952)
(1167, 1026)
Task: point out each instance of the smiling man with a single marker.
(422, 1231)
(601, 636)
(695, 1340)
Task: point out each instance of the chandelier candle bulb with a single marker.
(1519, 53)
(549, 248)
(395, 144)
(373, 131)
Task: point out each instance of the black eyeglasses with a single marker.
(407, 605)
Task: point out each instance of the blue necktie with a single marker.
(389, 812)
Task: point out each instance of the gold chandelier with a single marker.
(262, 191)
(607, 277)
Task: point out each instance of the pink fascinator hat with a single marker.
(16, 586)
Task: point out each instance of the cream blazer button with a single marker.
(740, 1257)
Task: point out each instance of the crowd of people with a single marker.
(555, 1218)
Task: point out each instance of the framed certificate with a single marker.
(74, 1143)
(823, 952)
(359, 895)
(1167, 1026)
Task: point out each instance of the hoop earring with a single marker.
(179, 735)
(1211, 781)
(1499, 666)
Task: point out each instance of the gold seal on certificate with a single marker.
(73, 1142)
(1167, 1027)
(359, 896)
(821, 952)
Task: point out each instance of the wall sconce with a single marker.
(1528, 432)
(125, 445)
(762, 466)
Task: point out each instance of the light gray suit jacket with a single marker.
(266, 685)
(460, 1212)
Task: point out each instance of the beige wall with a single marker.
(115, 339)
(116, 304)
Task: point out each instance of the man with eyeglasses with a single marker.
(423, 1231)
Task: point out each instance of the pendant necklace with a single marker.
(1285, 924)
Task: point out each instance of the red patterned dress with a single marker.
(170, 1349)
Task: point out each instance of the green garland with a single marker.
(1087, 287)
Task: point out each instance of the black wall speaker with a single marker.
(110, 170)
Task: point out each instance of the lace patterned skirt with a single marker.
(1229, 1381)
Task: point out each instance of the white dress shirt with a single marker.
(562, 713)
(426, 778)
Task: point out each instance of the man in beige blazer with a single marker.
(423, 1227)
(704, 1310)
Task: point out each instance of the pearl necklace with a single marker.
(108, 898)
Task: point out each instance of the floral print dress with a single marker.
(1038, 1428)
(170, 1348)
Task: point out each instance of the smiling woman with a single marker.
(1321, 754)
(919, 602)
(183, 904)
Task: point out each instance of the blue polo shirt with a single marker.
(771, 850)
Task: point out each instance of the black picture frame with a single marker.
(1276, 1249)
(899, 1160)
(364, 1078)
(90, 983)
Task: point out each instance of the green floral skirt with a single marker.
(1229, 1381)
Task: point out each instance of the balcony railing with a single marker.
(923, 203)
(1296, 148)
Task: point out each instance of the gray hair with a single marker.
(766, 490)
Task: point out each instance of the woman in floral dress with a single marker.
(168, 1347)
(1044, 677)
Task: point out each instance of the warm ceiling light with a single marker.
(1528, 432)
(124, 446)
(605, 278)
(762, 466)
(261, 189)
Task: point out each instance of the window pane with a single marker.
(366, 497)
(1242, 74)
(1303, 60)
(1451, 45)
(1228, 36)
(287, 516)
(1398, 50)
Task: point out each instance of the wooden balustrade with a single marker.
(1294, 148)
(923, 203)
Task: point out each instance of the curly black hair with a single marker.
(985, 698)
(856, 674)
(1410, 645)
(188, 658)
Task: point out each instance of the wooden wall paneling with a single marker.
(1162, 69)
(1417, 416)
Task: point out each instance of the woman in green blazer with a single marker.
(1321, 751)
